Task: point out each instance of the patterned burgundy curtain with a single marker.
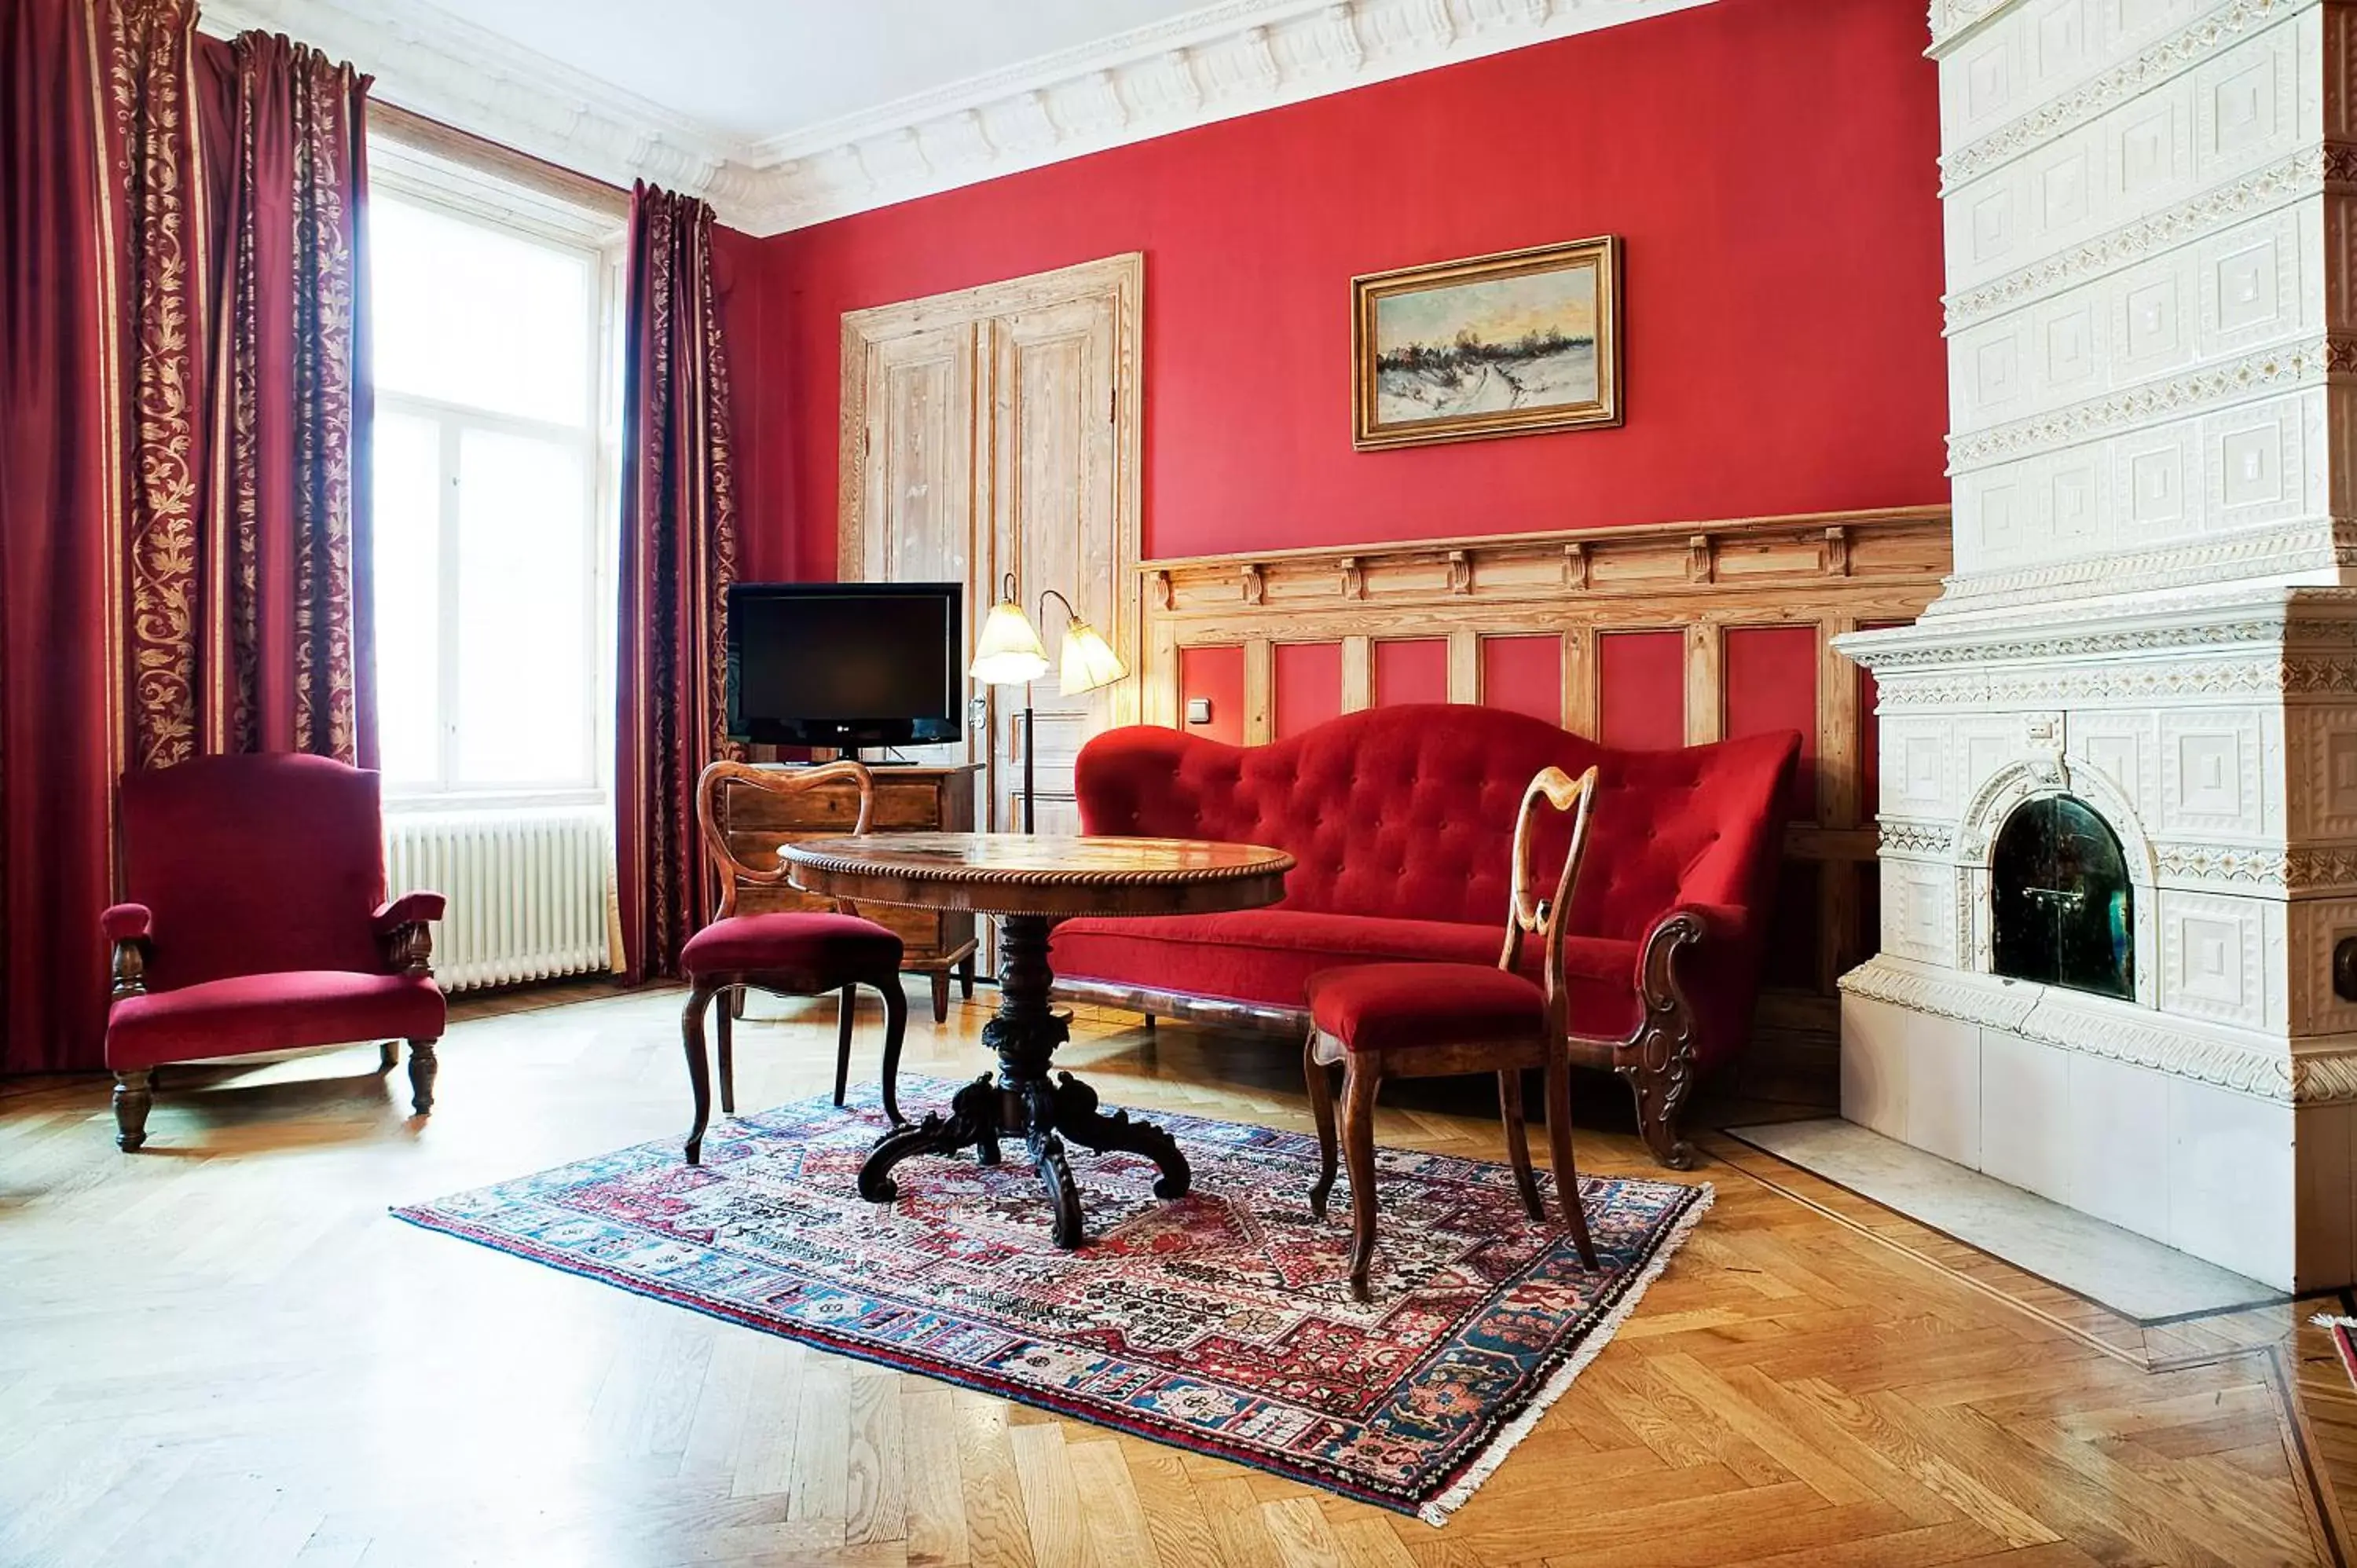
(290, 662)
(185, 551)
(679, 554)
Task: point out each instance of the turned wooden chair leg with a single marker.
(1518, 1141)
(1319, 1078)
(843, 1041)
(940, 996)
(731, 1007)
(133, 1093)
(1361, 1079)
(1566, 1174)
(388, 1055)
(896, 1027)
(699, 1071)
(423, 1065)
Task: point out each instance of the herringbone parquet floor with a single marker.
(222, 1352)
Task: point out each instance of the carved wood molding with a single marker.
(1831, 572)
(1903, 546)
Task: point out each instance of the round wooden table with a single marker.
(1029, 882)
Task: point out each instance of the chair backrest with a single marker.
(1407, 812)
(718, 775)
(254, 864)
(1548, 917)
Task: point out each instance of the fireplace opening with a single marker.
(2064, 909)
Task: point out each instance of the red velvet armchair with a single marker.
(256, 920)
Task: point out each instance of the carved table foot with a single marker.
(1074, 1106)
(973, 1119)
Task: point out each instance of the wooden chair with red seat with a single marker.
(1432, 1020)
(256, 920)
(790, 953)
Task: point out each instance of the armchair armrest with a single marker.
(127, 923)
(407, 909)
(402, 926)
(126, 927)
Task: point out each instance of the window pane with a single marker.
(523, 637)
(408, 559)
(470, 315)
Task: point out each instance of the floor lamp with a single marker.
(1009, 653)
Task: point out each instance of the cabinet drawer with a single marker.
(913, 806)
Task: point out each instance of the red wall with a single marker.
(1770, 164)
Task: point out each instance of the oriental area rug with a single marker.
(1222, 1323)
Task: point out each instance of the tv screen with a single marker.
(845, 665)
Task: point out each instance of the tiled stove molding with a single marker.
(2214, 34)
(2312, 172)
(2281, 368)
(2115, 1031)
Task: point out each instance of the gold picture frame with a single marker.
(1509, 344)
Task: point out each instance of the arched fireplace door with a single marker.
(2064, 912)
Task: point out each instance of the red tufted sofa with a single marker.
(1402, 821)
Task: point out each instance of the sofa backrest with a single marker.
(1408, 812)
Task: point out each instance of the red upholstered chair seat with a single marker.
(742, 944)
(1267, 956)
(273, 1011)
(1404, 1006)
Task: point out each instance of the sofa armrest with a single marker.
(402, 926)
(126, 928)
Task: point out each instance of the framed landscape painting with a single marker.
(1505, 345)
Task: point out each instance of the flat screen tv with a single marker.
(845, 664)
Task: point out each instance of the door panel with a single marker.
(917, 487)
(998, 430)
(1052, 509)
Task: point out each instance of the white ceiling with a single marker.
(758, 70)
(786, 113)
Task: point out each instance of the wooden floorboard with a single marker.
(222, 1350)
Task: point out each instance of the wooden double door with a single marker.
(993, 431)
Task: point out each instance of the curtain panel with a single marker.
(678, 557)
(186, 551)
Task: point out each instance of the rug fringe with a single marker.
(2329, 1320)
(1438, 1510)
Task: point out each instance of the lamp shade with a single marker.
(1088, 661)
(1008, 653)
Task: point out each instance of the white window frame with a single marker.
(461, 192)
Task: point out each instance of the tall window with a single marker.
(490, 556)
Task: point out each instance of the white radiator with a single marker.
(527, 889)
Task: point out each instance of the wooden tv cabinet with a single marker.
(908, 799)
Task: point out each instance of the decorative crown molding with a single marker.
(1237, 56)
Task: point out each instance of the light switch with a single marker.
(1198, 710)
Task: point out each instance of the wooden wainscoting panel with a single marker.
(1728, 602)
